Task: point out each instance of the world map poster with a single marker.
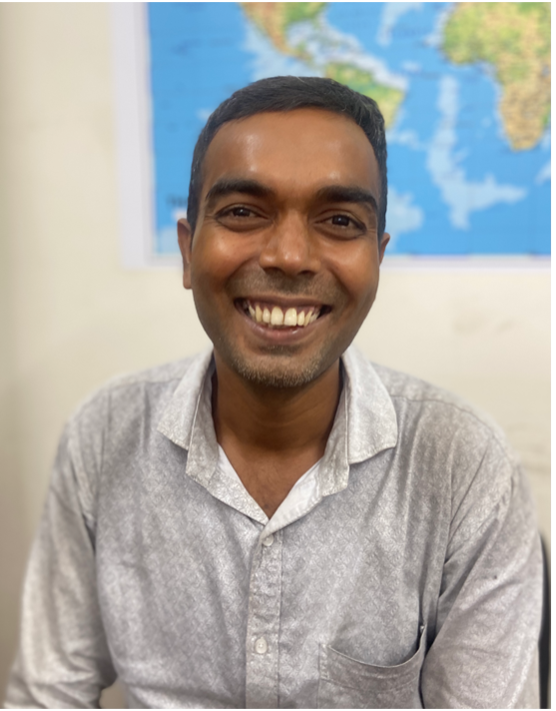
(464, 89)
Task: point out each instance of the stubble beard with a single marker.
(276, 367)
(279, 368)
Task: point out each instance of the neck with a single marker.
(272, 420)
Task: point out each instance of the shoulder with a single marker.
(129, 392)
(160, 375)
(129, 406)
(458, 446)
(121, 416)
(454, 442)
(445, 411)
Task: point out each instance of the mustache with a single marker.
(307, 285)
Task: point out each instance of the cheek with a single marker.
(356, 269)
(214, 259)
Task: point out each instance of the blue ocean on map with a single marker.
(456, 186)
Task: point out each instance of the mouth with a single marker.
(276, 316)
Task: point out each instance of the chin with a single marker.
(279, 371)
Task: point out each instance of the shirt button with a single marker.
(261, 647)
(268, 541)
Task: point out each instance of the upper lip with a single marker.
(284, 302)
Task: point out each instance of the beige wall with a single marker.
(70, 317)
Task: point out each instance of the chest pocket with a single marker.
(348, 684)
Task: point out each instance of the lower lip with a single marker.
(280, 335)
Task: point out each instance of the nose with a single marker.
(290, 247)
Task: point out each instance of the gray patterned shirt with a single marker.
(409, 578)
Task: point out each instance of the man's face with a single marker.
(284, 263)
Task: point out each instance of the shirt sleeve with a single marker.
(485, 652)
(63, 659)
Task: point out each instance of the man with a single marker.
(280, 523)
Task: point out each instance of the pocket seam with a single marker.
(372, 672)
(393, 687)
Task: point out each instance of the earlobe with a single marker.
(185, 238)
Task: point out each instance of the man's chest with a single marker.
(195, 589)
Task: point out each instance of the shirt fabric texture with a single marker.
(403, 571)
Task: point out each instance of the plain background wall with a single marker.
(71, 317)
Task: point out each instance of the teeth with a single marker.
(277, 316)
(290, 319)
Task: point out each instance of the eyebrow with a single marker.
(347, 193)
(227, 186)
(329, 193)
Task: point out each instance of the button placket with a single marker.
(263, 625)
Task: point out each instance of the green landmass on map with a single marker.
(514, 38)
(301, 11)
(275, 19)
(364, 82)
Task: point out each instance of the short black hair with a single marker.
(287, 94)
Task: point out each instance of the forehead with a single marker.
(301, 150)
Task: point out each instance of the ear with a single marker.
(185, 239)
(382, 247)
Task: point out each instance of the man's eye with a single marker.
(342, 221)
(238, 211)
(340, 225)
(240, 218)
(345, 222)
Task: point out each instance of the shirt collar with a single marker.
(365, 422)
(373, 425)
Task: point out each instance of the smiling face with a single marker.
(285, 259)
